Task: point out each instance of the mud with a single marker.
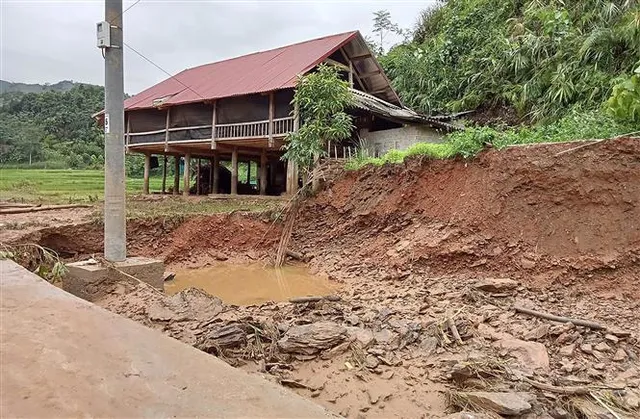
(417, 248)
(249, 284)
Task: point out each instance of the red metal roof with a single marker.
(254, 73)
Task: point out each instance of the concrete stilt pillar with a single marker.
(216, 173)
(187, 174)
(292, 177)
(234, 171)
(263, 172)
(164, 174)
(199, 167)
(211, 176)
(315, 181)
(147, 170)
(176, 175)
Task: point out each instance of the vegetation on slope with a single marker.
(537, 57)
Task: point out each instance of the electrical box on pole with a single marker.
(103, 32)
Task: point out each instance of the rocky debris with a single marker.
(225, 337)
(620, 355)
(539, 332)
(192, 304)
(311, 339)
(602, 347)
(502, 403)
(496, 285)
(567, 350)
(168, 276)
(531, 355)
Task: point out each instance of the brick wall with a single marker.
(379, 142)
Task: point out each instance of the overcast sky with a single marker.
(49, 41)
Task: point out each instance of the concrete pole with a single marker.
(216, 173)
(234, 171)
(263, 172)
(198, 177)
(147, 171)
(187, 174)
(164, 174)
(115, 231)
(210, 176)
(176, 175)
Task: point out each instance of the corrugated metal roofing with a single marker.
(254, 73)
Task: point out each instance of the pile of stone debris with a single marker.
(460, 339)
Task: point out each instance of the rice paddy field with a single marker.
(61, 185)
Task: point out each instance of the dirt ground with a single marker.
(433, 257)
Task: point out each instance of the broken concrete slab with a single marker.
(91, 280)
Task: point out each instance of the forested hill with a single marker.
(62, 86)
(525, 60)
(54, 126)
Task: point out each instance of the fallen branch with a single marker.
(577, 322)
(573, 390)
(43, 208)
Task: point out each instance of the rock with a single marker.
(168, 276)
(427, 345)
(620, 355)
(567, 350)
(538, 333)
(384, 336)
(310, 339)
(362, 336)
(530, 354)
(371, 362)
(387, 375)
(375, 395)
(632, 400)
(229, 336)
(491, 333)
(602, 347)
(559, 413)
(611, 338)
(353, 320)
(566, 338)
(587, 348)
(561, 328)
(501, 403)
(496, 285)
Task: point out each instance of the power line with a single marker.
(125, 11)
(161, 69)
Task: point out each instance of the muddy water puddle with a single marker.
(251, 284)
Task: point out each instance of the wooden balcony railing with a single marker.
(242, 130)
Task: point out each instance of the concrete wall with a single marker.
(379, 142)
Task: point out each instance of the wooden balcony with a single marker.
(256, 130)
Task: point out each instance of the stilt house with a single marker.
(239, 110)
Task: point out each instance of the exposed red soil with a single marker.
(176, 241)
(524, 212)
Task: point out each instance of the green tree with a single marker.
(322, 98)
(539, 58)
(382, 27)
(624, 103)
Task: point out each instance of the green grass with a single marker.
(60, 186)
(175, 206)
(576, 125)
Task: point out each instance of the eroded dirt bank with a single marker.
(542, 214)
(417, 249)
